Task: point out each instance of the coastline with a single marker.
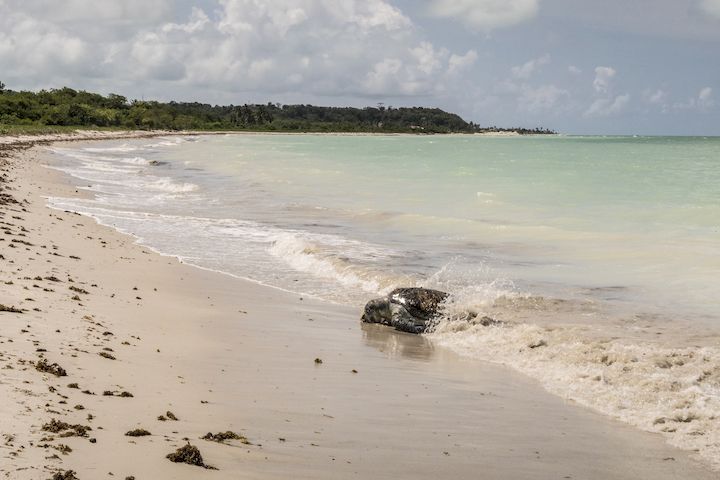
(248, 351)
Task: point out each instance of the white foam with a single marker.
(120, 148)
(165, 184)
(304, 253)
(671, 391)
(135, 160)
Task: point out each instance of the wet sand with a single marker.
(222, 353)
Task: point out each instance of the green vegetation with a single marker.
(58, 110)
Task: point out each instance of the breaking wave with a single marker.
(659, 388)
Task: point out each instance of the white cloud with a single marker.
(525, 70)
(80, 11)
(197, 21)
(458, 63)
(603, 76)
(574, 70)
(656, 97)
(711, 7)
(300, 47)
(428, 60)
(703, 101)
(485, 15)
(705, 98)
(544, 98)
(604, 107)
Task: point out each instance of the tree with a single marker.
(2, 87)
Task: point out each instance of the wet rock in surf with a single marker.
(405, 309)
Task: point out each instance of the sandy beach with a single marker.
(311, 392)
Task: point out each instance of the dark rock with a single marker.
(405, 309)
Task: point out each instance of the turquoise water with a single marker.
(605, 251)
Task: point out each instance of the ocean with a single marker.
(599, 255)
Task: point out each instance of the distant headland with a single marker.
(49, 110)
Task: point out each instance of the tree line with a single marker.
(68, 107)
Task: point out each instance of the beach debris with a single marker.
(62, 448)
(66, 475)
(106, 355)
(190, 455)
(171, 416)
(138, 432)
(223, 436)
(110, 393)
(73, 385)
(5, 308)
(66, 429)
(78, 290)
(318, 361)
(54, 368)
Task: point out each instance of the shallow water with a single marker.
(601, 254)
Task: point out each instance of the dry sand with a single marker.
(226, 354)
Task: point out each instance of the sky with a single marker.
(646, 67)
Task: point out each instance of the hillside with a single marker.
(72, 108)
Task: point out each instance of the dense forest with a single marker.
(73, 108)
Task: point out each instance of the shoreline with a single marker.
(248, 350)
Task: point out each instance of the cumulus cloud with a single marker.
(704, 100)
(319, 47)
(603, 76)
(656, 97)
(604, 107)
(525, 70)
(485, 15)
(543, 98)
(458, 63)
(711, 7)
(606, 102)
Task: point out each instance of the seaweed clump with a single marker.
(138, 432)
(188, 454)
(223, 436)
(54, 368)
(168, 416)
(67, 475)
(5, 308)
(66, 429)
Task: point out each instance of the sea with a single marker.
(599, 256)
